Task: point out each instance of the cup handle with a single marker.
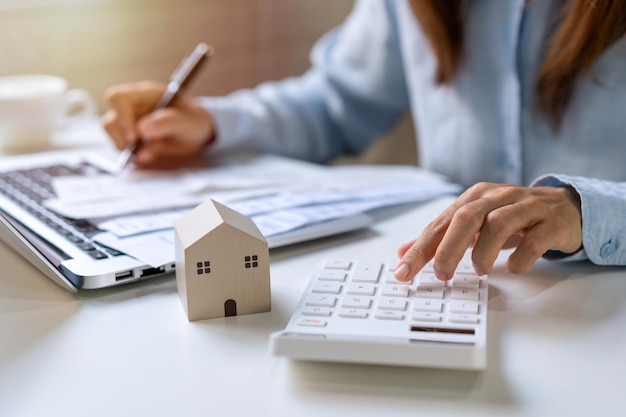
(80, 107)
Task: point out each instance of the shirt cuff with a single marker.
(555, 255)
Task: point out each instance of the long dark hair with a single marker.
(586, 29)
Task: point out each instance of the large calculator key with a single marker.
(366, 271)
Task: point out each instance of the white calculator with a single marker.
(356, 311)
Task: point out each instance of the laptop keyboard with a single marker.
(30, 187)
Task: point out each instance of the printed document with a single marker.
(137, 213)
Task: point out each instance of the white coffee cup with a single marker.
(33, 107)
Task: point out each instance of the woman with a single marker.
(522, 102)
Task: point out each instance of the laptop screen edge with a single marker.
(19, 243)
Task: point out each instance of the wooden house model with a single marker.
(222, 263)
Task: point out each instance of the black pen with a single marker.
(178, 81)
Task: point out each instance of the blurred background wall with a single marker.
(97, 43)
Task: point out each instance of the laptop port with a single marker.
(152, 271)
(120, 276)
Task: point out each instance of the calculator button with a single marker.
(321, 300)
(389, 303)
(464, 294)
(331, 275)
(463, 318)
(465, 268)
(425, 316)
(466, 281)
(366, 271)
(465, 307)
(316, 311)
(356, 302)
(429, 267)
(352, 313)
(429, 292)
(391, 279)
(398, 290)
(361, 289)
(311, 322)
(388, 315)
(429, 280)
(327, 287)
(338, 264)
(433, 306)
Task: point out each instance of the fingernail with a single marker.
(402, 272)
(440, 273)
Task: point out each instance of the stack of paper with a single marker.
(137, 212)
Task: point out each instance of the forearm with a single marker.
(287, 118)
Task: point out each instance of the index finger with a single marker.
(121, 117)
(424, 247)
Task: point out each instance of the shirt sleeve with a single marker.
(603, 206)
(354, 92)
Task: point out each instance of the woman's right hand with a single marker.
(169, 136)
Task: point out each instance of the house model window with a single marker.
(251, 261)
(203, 267)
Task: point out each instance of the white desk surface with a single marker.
(557, 346)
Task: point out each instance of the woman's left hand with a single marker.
(491, 217)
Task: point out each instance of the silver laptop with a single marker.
(62, 247)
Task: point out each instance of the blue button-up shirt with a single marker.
(483, 126)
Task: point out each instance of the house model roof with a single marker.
(209, 215)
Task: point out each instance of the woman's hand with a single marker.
(491, 217)
(169, 136)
